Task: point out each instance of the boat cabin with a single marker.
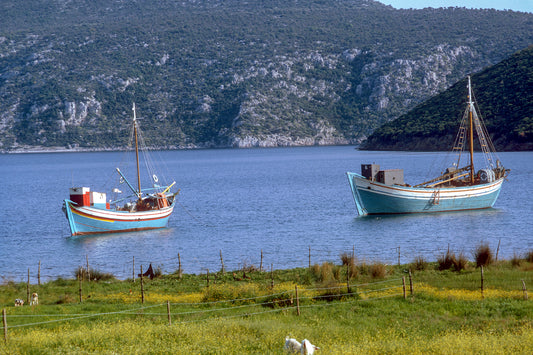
(83, 196)
(387, 177)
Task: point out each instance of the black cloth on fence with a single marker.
(149, 272)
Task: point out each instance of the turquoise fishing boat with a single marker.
(90, 212)
(459, 188)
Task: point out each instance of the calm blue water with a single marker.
(281, 201)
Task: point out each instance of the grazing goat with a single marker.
(308, 348)
(34, 299)
(292, 345)
(19, 302)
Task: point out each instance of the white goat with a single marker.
(292, 345)
(308, 348)
(34, 299)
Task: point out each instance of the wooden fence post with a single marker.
(168, 312)
(221, 261)
(39, 274)
(524, 289)
(410, 282)
(399, 254)
(142, 285)
(272, 276)
(498, 249)
(88, 270)
(207, 278)
(261, 264)
(79, 288)
(4, 318)
(297, 301)
(309, 257)
(133, 268)
(179, 266)
(28, 288)
(404, 293)
(482, 281)
(348, 279)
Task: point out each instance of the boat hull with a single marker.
(84, 220)
(376, 198)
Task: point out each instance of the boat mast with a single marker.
(471, 133)
(139, 194)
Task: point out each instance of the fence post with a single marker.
(39, 274)
(399, 254)
(4, 318)
(142, 286)
(28, 288)
(179, 266)
(482, 280)
(348, 278)
(403, 283)
(524, 289)
(272, 276)
(88, 270)
(309, 257)
(498, 249)
(261, 264)
(133, 268)
(221, 261)
(410, 282)
(297, 301)
(168, 312)
(79, 288)
(207, 278)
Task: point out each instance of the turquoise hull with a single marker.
(85, 220)
(376, 198)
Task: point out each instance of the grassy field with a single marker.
(251, 312)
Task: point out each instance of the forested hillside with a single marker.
(504, 94)
(210, 73)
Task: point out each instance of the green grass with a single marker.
(445, 315)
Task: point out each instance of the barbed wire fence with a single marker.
(215, 260)
(289, 300)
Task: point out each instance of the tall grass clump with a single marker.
(378, 270)
(450, 261)
(94, 274)
(529, 256)
(483, 255)
(348, 260)
(515, 260)
(419, 264)
(446, 261)
(326, 272)
(460, 262)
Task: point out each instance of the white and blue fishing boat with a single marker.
(90, 212)
(459, 188)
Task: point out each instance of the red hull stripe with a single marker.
(118, 231)
(111, 220)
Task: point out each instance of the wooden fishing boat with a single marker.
(459, 188)
(90, 212)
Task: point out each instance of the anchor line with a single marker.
(194, 217)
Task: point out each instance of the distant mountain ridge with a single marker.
(210, 73)
(504, 94)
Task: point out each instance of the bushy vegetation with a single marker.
(483, 255)
(205, 72)
(503, 95)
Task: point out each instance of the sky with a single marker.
(516, 5)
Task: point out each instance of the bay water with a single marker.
(290, 205)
